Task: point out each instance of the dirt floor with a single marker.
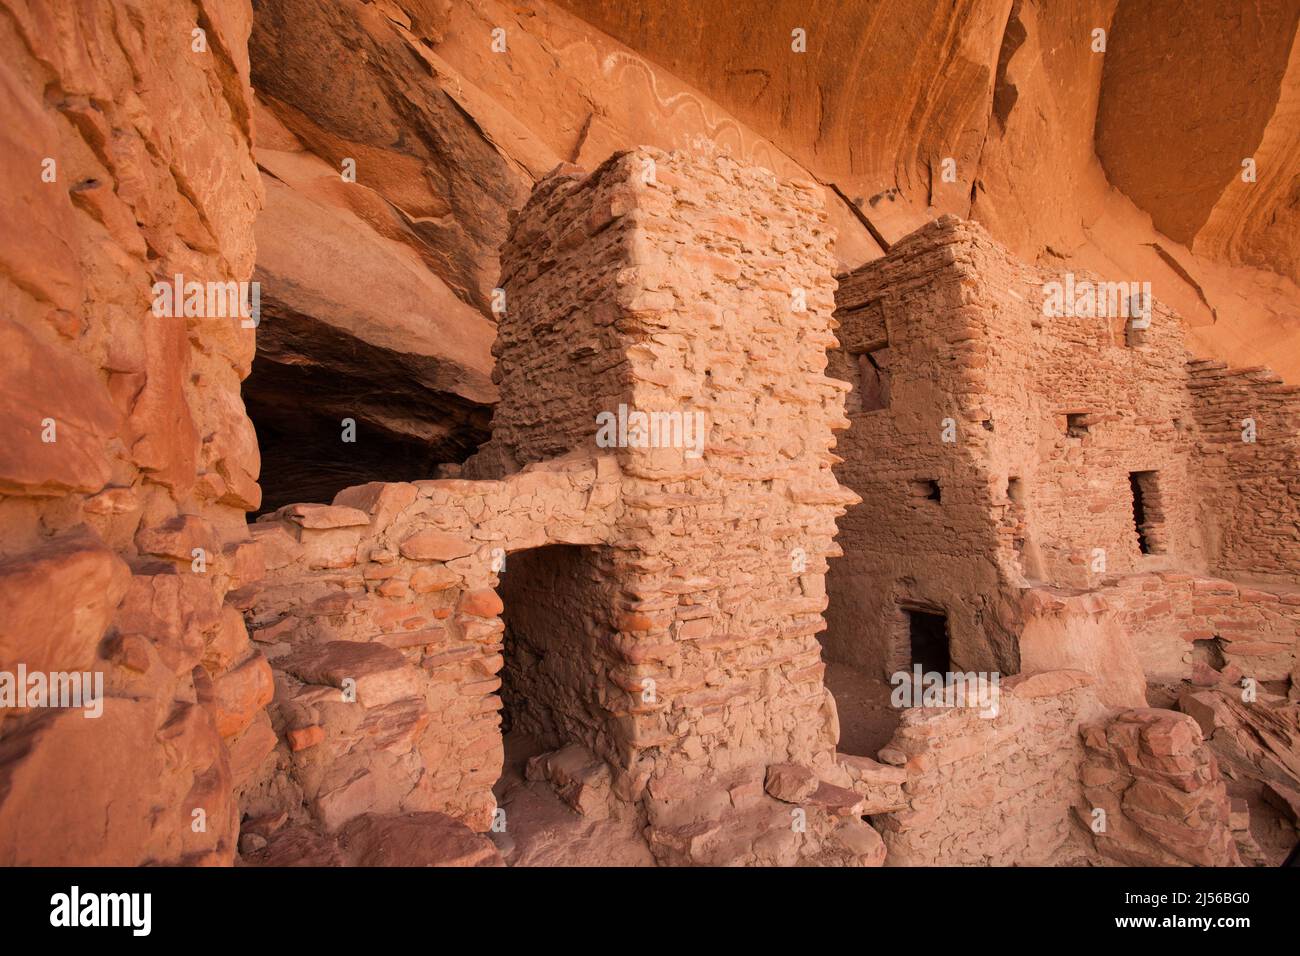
(867, 720)
(541, 830)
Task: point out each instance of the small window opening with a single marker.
(1076, 424)
(1209, 652)
(868, 372)
(1138, 322)
(1135, 333)
(1015, 491)
(1148, 515)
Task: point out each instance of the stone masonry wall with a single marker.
(995, 791)
(625, 287)
(127, 462)
(1162, 627)
(1052, 417)
(1134, 401)
(1024, 788)
(1258, 627)
(393, 588)
(927, 299)
(1250, 491)
(720, 557)
(560, 352)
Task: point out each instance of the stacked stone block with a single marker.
(381, 619)
(994, 791)
(1257, 629)
(1159, 790)
(1251, 488)
(663, 283)
(1049, 419)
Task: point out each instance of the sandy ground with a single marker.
(867, 720)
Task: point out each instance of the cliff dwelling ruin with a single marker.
(925, 561)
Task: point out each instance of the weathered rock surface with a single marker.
(126, 460)
(1153, 793)
(1255, 737)
(378, 287)
(57, 601)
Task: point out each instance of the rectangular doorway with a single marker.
(928, 633)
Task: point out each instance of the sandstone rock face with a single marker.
(1255, 739)
(580, 779)
(409, 839)
(1256, 742)
(1083, 634)
(127, 460)
(1250, 77)
(377, 283)
(922, 100)
(58, 600)
(1012, 113)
